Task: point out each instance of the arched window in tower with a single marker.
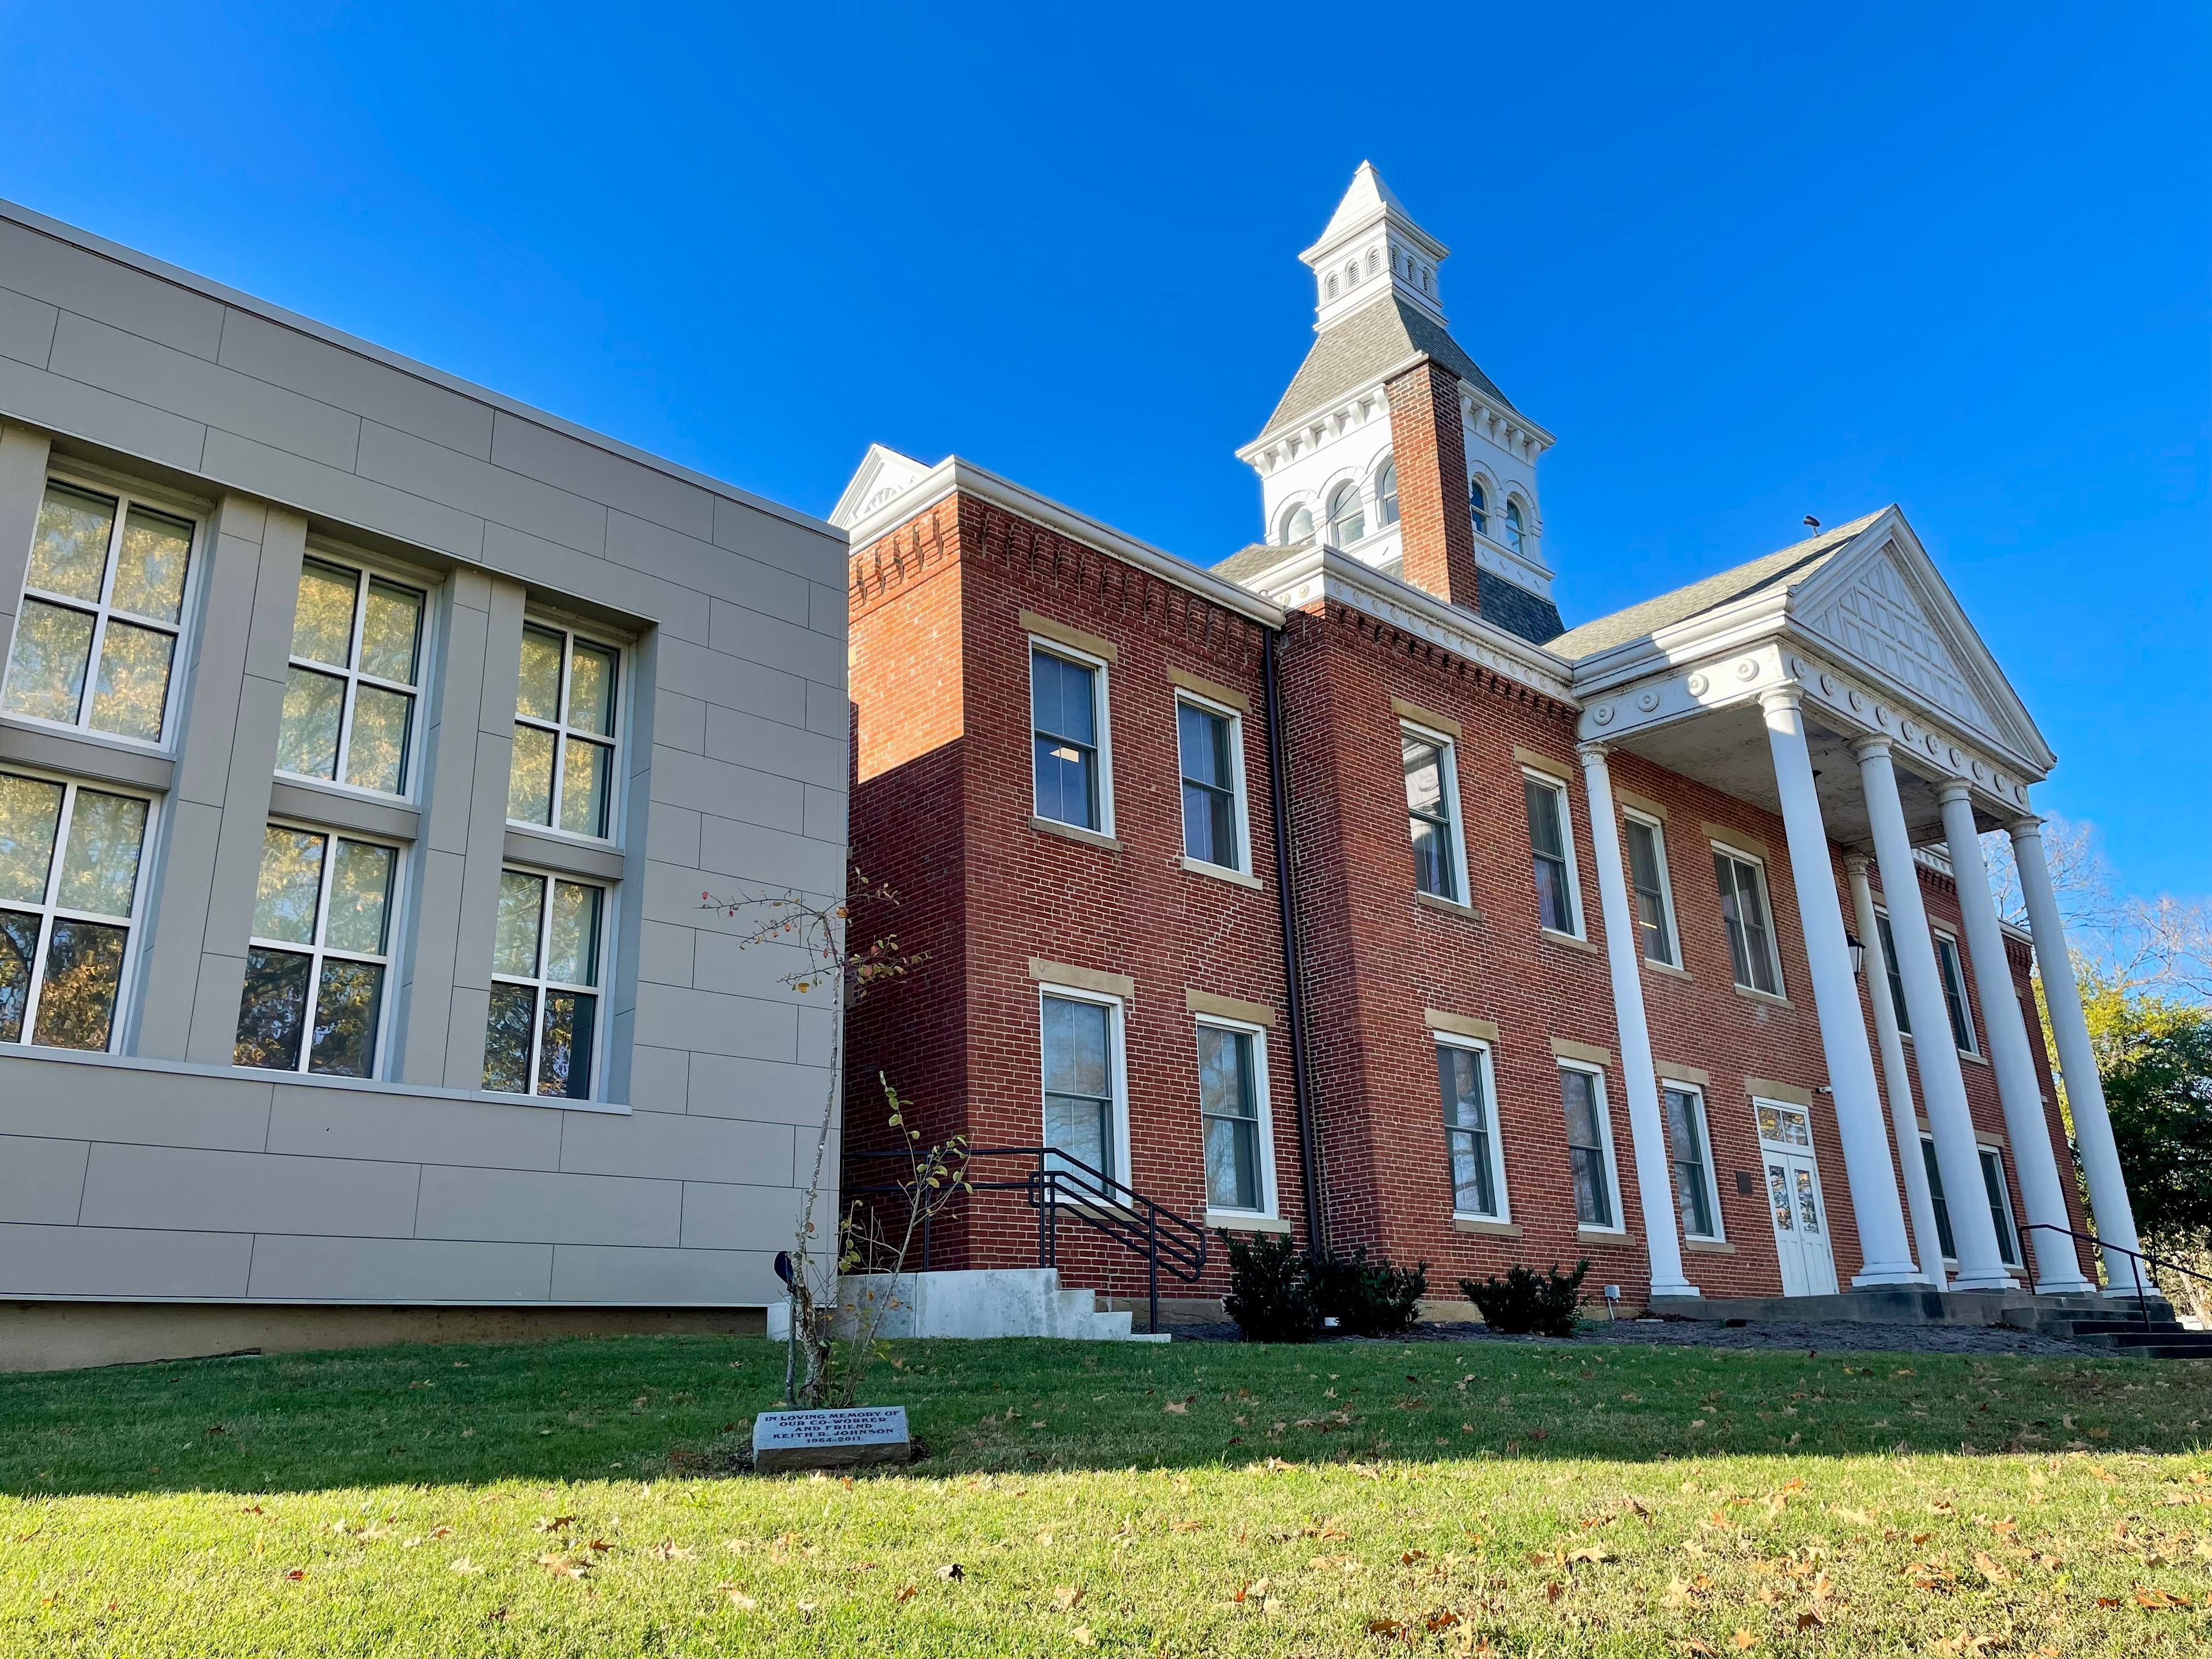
(1478, 501)
(1352, 274)
(1347, 518)
(1298, 526)
(1513, 526)
(1332, 286)
(1373, 262)
(1386, 495)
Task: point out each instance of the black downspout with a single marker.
(1301, 1085)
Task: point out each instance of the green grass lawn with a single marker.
(1110, 1498)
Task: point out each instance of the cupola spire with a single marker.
(1371, 248)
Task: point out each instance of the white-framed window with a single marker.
(1515, 530)
(103, 607)
(2000, 1198)
(318, 965)
(70, 899)
(1085, 1104)
(1210, 747)
(1232, 1103)
(1347, 516)
(1654, 892)
(1888, 937)
(353, 689)
(1689, 1147)
(1432, 770)
(1386, 493)
(1478, 501)
(1552, 855)
(1298, 526)
(548, 966)
(1472, 1150)
(1955, 992)
(1070, 748)
(1589, 1147)
(566, 743)
(1748, 920)
(1944, 1241)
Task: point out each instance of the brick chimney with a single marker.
(1430, 448)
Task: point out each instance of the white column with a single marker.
(2077, 1062)
(2057, 1268)
(1942, 1087)
(1882, 1244)
(1897, 1080)
(1655, 1172)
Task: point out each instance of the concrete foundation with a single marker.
(980, 1303)
(1890, 1305)
(54, 1336)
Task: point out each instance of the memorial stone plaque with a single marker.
(839, 1439)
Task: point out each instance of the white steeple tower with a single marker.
(1372, 247)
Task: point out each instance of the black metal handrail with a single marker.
(1054, 1183)
(2136, 1259)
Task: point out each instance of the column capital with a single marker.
(2026, 829)
(1874, 743)
(1591, 752)
(1858, 860)
(1789, 695)
(1951, 789)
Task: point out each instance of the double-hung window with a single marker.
(1231, 1104)
(1944, 1239)
(1749, 923)
(1079, 1050)
(1478, 501)
(352, 689)
(563, 776)
(1065, 729)
(1589, 1148)
(1889, 938)
(69, 895)
(547, 966)
(1212, 784)
(1647, 873)
(1692, 1160)
(1955, 994)
(1432, 814)
(1550, 844)
(317, 968)
(103, 604)
(1993, 1184)
(1478, 1179)
(1386, 494)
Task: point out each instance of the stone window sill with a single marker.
(1073, 832)
(1449, 907)
(1708, 1246)
(1666, 968)
(1766, 997)
(1968, 1056)
(1243, 1221)
(1571, 941)
(1483, 1224)
(1606, 1235)
(1219, 872)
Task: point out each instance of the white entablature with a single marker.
(1876, 644)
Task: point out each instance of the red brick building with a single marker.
(1340, 890)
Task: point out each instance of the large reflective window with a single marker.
(69, 860)
(354, 681)
(316, 969)
(95, 639)
(541, 1035)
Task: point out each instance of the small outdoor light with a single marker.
(1858, 955)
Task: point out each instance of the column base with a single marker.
(1991, 1281)
(1681, 1287)
(2071, 1285)
(1882, 1273)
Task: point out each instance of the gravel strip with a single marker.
(1833, 1337)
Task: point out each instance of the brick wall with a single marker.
(1429, 450)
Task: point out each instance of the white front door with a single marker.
(1793, 1199)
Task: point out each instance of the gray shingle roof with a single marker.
(1790, 566)
(1252, 559)
(1354, 350)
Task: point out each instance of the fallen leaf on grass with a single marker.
(1554, 1590)
(1065, 1596)
(1176, 1408)
(465, 1566)
(903, 1592)
(1081, 1634)
(1384, 1627)
(1809, 1621)
(952, 1570)
(739, 1599)
(563, 1566)
(1701, 1648)
(2159, 1598)
(298, 1573)
(552, 1522)
(1593, 1553)
(1744, 1638)
(665, 1550)
(1988, 1569)
(1856, 1518)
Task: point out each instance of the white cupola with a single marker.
(1371, 248)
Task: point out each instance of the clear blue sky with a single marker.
(1746, 263)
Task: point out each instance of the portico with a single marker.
(1838, 684)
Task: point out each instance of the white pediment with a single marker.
(882, 475)
(1877, 619)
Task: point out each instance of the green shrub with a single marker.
(1524, 1302)
(1369, 1298)
(1271, 1292)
